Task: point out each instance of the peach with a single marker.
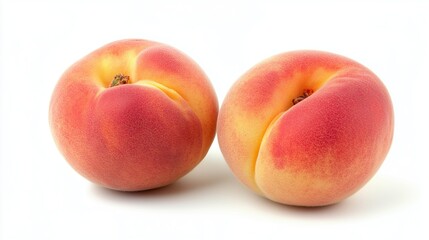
(133, 115)
(306, 128)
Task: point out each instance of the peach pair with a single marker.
(303, 128)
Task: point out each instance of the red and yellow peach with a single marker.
(306, 128)
(133, 115)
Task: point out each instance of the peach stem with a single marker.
(305, 94)
(120, 79)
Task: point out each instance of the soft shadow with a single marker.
(211, 173)
(380, 195)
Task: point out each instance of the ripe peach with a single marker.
(306, 128)
(133, 115)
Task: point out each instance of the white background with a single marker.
(41, 197)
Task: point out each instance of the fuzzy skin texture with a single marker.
(317, 152)
(136, 136)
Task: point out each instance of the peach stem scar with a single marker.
(120, 79)
(305, 94)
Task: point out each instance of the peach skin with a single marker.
(306, 128)
(133, 115)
